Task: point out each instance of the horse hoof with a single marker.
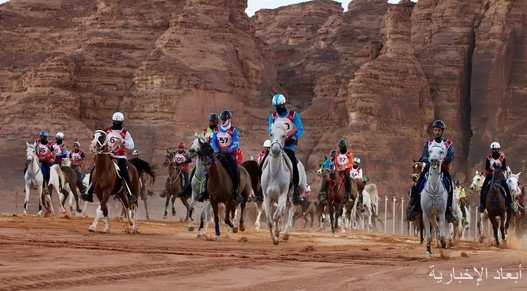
(276, 241)
(257, 228)
(286, 236)
(92, 228)
(191, 228)
(428, 255)
(79, 210)
(443, 244)
(173, 212)
(242, 227)
(165, 217)
(235, 229)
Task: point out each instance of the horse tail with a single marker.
(143, 166)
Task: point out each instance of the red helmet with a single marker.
(181, 145)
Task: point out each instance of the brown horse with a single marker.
(70, 187)
(219, 186)
(305, 208)
(173, 185)
(144, 169)
(417, 168)
(496, 207)
(254, 172)
(336, 194)
(106, 182)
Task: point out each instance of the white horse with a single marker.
(277, 173)
(477, 182)
(33, 177)
(434, 198)
(56, 181)
(363, 213)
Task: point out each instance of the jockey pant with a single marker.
(230, 163)
(348, 182)
(123, 171)
(292, 157)
(184, 179)
(462, 206)
(45, 166)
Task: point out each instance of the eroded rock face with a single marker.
(376, 75)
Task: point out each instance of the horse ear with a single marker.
(518, 174)
(477, 172)
(325, 157)
(27, 144)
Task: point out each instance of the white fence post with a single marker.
(385, 211)
(402, 215)
(393, 215)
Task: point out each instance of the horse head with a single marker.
(498, 175)
(436, 156)
(31, 152)
(194, 147)
(169, 157)
(417, 168)
(477, 181)
(513, 183)
(205, 152)
(278, 134)
(98, 144)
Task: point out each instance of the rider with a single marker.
(344, 161)
(225, 145)
(323, 191)
(182, 159)
(59, 148)
(415, 202)
(295, 130)
(461, 199)
(213, 123)
(495, 159)
(118, 140)
(76, 157)
(263, 154)
(45, 154)
(356, 171)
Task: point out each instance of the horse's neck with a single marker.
(200, 170)
(34, 166)
(172, 169)
(274, 164)
(103, 161)
(434, 177)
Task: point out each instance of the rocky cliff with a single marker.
(376, 75)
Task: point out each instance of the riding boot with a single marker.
(205, 194)
(448, 213)
(131, 197)
(413, 207)
(296, 195)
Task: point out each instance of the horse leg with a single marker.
(216, 220)
(26, 198)
(494, 222)
(104, 209)
(259, 206)
(173, 200)
(331, 212)
(290, 218)
(167, 199)
(187, 206)
(426, 223)
(204, 219)
(443, 234)
(269, 219)
(98, 214)
(190, 226)
(146, 207)
(242, 208)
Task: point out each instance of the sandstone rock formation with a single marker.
(376, 75)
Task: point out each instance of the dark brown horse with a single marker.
(106, 182)
(336, 195)
(144, 169)
(496, 207)
(254, 172)
(417, 168)
(219, 186)
(173, 185)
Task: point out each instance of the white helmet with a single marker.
(278, 100)
(267, 144)
(495, 145)
(59, 135)
(118, 116)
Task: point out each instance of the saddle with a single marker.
(446, 183)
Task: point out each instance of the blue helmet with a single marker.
(333, 153)
(278, 100)
(43, 133)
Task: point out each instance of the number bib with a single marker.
(342, 160)
(179, 158)
(224, 140)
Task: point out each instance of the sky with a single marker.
(254, 5)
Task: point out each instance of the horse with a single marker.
(495, 206)
(106, 182)
(33, 178)
(305, 208)
(219, 186)
(253, 169)
(173, 185)
(434, 198)
(368, 211)
(336, 194)
(322, 207)
(70, 188)
(277, 174)
(417, 169)
(477, 182)
(518, 194)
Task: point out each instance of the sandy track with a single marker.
(59, 253)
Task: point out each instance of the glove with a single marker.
(290, 142)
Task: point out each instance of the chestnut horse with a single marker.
(219, 186)
(106, 182)
(336, 193)
(173, 185)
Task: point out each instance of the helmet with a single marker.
(356, 160)
(439, 123)
(60, 135)
(342, 143)
(44, 133)
(495, 145)
(267, 143)
(333, 153)
(135, 153)
(118, 116)
(181, 145)
(225, 114)
(278, 100)
(214, 117)
(77, 144)
(457, 182)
